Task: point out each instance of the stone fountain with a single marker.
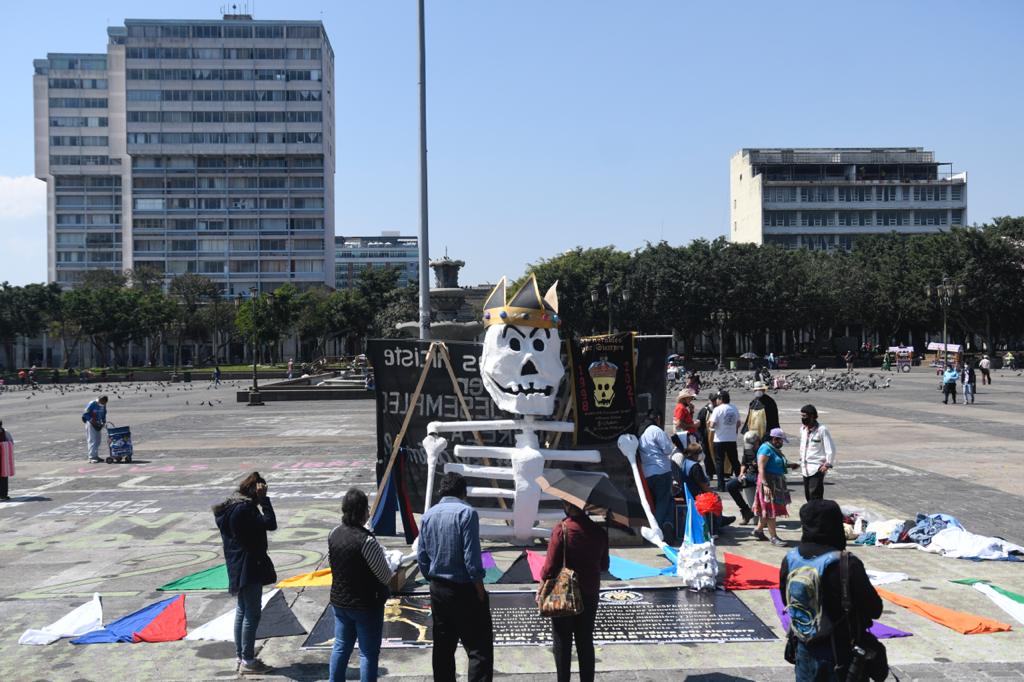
(451, 319)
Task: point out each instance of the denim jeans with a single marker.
(821, 668)
(661, 489)
(968, 393)
(247, 619)
(366, 625)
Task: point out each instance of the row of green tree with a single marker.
(771, 293)
(112, 310)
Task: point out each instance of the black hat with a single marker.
(822, 522)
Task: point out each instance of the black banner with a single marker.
(624, 616)
(397, 366)
(603, 388)
(650, 374)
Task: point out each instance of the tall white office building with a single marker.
(192, 147)
(822, 199)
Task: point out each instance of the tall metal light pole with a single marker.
(424, 240)
(254, 393)
(944, 293)
(721, 317)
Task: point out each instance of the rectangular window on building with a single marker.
(273, 245)
(183, 245)
(237, 31)
(211, 267)
(244, 265)
(307, 265)
(303, 31)
(245, 245)
(956, 193)
(274, 266)
(263, 31)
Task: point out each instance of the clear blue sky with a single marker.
(558, 124)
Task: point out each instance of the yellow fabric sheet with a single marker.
(321, 578)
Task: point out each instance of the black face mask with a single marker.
(806, 421)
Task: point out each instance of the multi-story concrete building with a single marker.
(389, 250)
(191, 146)
(822, 199)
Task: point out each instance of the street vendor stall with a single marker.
(902, 356)
(939, 354)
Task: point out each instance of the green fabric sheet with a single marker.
(215, 578)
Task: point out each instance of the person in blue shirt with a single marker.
(448, 554)
(655, 452)
(95, 418)
(772, 495)
(949, 379)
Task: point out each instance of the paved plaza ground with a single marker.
(122, 530)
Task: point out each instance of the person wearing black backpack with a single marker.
(828, 639)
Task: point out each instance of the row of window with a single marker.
(815, 242)
(207, 267)
(378, 254)
(89, 257)
(220, 182)
(97, 240)
(78, 219)
(78, 102)
(861, 218)
(233, 224)
(91, 201)
(97, 63)
(224, 117)
(63, 160)
(222, 31)
(78, 121)
(72, 181)
(284, 75)
(224, 53)
(223, 245)
(79, 140)
(79, 83)
(218, 204)
(862, 194)
(224, 95)
(312, 161)
(221, 138)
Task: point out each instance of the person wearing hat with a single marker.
(747, 478)
(762, 413)
(682, 418)
(822, 545)
(817, 453)
(985, 366)
(772, 495)
(686, 470)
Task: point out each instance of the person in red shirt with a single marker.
(683, 415)
(584, 546)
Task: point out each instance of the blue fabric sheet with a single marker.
(624, 569)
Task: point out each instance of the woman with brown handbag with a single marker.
(581, 546)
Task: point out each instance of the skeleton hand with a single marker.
(434, 446)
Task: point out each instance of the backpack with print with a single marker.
(804, 604)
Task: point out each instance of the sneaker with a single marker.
(254, 667)
(748, 516)
(778, 542)
(95, 460)
(759, 534)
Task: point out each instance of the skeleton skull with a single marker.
(521, 367)
(603, 374)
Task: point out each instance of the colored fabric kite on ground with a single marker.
(518, 573)
(321, 578)
(163, 621)
(215, 578)
(491, 571)
(85, 618)
(277, 620)
(1010, 602)
(748, 574)
(964, 623)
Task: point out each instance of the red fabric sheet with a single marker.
(536, 562)
(748, 574)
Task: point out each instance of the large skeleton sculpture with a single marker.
(521, 368)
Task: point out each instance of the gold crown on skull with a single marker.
(602, 369)
(526, 308)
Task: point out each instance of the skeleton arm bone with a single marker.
(628, 445)
(500, 425)
(504, 453)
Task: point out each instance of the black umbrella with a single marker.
(591, 492)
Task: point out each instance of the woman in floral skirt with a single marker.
(772, 495)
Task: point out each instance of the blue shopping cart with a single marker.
(119, 438)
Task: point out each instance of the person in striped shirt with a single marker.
(360, 575)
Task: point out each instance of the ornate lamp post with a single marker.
(721, 317)
(595, 297)
(254, 393)
(945, 292)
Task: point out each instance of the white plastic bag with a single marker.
(697, 566)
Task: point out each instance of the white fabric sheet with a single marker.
(958, 543)
(83, 619)
(1013, 608)
(878, 578)
(222, 628)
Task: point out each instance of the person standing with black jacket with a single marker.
(360, 575)
(243, 520)
(828, 660)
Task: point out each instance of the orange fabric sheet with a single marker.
(964, 623)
